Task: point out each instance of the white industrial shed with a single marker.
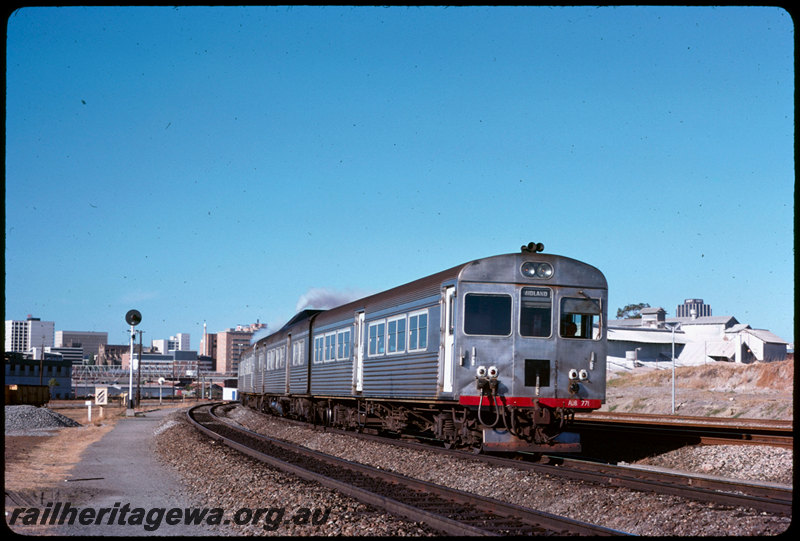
(649, 340)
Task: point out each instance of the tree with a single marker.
(631, 311)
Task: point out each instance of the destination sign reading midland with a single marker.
(535, 293)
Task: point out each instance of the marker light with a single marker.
(532, 269)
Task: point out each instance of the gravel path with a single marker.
(229, 480)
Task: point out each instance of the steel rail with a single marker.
(778, 427)
(426, 502)
(700, 430)
(768, 497)
(686, 419)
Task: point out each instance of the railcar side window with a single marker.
(298, 347)
(319, 348)
(487, 314)
(535, 312)
(577, 317)
(343, 345)
(397, 335)
(377, 338)
(330, 347)
(271, 359)
(418, 331)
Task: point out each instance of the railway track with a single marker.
(690, 430)
(451, 511)
(766, 497)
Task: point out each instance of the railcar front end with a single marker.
(530, 348)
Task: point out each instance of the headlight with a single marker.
(573, 374)
(481, 371)
(584, 375)
(532, 269)
(545, 270)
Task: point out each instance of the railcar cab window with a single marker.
(535, 312)
(487, 314)
(577, 318)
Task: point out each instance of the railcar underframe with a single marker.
(534, 429)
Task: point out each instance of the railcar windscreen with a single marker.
(577, 318)
(487, 314)
(536, 312)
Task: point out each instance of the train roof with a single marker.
(493, 268)
(301, 316)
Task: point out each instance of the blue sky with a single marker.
(224, 164)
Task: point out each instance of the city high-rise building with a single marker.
(693, 308)
(175, 343)
(89, 341)
(23, 336)
(230, 345)
(182, 342)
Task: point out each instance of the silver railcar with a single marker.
(497, 353)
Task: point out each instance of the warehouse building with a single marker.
(649, 340)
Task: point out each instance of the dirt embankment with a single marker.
(757, 391)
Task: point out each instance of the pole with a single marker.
(130, 376)
(673, 328)
(673, 370)
(139, 373)
(133, 318)
(41, 365)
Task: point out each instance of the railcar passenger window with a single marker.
(319, 348)
(418, 331)
(377, 337)
(487, 314)
(535, 312)
(343, 345)
(577, 317)
(397, 335)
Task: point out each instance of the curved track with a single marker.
(766, 497)
(450, 511)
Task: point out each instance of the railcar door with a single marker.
(535, 349)
(358, 365)
(288, 362)
(448, 337)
